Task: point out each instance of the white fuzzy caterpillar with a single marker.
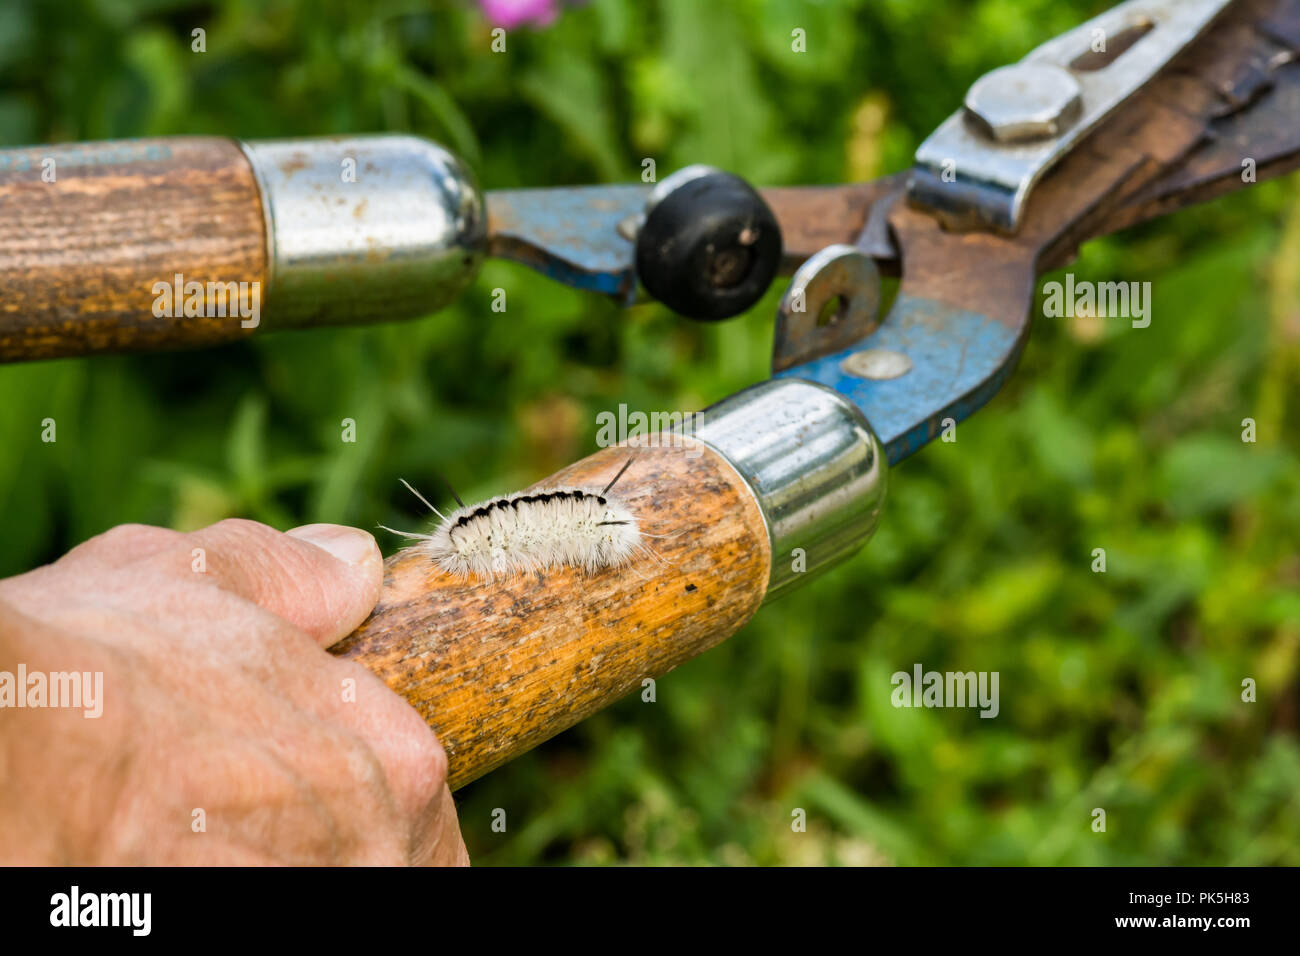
(532, 531)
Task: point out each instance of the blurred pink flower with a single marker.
(512, 13)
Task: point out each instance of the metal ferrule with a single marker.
(365, 228)
(814, 465)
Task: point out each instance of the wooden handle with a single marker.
(497, 668)
(87, 230)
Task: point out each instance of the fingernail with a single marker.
(347, 544)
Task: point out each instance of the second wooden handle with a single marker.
(192, 241)
(497, 668)
(87, 231)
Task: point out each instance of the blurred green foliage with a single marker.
(1118, 690)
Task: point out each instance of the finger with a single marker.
(439, 841)
(125, 543)
(114, 548)
(324, 578)
(414, 761)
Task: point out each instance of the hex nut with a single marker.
(1025, 102)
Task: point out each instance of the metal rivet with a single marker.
(629, 226)
(877, 364)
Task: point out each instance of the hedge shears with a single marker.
(179, 242)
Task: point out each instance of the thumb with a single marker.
(325, 578)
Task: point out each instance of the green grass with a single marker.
(1118, 690)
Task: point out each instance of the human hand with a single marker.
(227, 734)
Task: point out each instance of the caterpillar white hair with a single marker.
(534, 530)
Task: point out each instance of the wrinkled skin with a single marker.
(218, 696)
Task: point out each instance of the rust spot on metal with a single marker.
(291, 166)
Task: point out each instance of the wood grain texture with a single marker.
(497, 668)
(79, 256)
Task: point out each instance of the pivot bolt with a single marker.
(1025, 102)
